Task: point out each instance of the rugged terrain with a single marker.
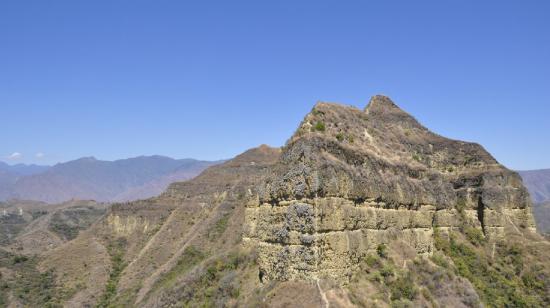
(28, 231)
(351, 180)
(363, 208)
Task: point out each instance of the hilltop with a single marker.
(360, 208)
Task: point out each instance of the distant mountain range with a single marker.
(22, 169)
(91, 179)
(538, 184)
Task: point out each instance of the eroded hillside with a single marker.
(361, 208)
(29, 231)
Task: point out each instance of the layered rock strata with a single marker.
(350, 180)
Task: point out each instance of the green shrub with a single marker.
(319, 126)
(340, 137)
(316, 112)
(381, 250)
(20, 259)
(372, 260)
(474, 235)
(387, 271)
(403, 288)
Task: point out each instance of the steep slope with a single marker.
(538, 183)
(31, 227)
(153, 244)
(92, 179)
(29, 230)
(361, 208)
(13, 219)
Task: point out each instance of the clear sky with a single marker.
(209, 79)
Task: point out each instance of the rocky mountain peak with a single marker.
(383, 110)
(350, 180)
(381, 103)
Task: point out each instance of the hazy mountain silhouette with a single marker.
(89, 178)
(538, 184)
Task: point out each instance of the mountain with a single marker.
(9, 174)
(89, 178)
(541, 211)
(538, 183)
(23, 169)
(360, 208)
(7, 180)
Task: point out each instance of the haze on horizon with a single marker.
(118, 80)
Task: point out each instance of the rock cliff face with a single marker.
(350, 180)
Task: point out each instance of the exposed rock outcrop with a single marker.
(350, 180)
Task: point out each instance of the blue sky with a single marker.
(209, 79)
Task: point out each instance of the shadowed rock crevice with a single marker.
(481, 214)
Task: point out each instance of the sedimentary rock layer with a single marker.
(351, 180)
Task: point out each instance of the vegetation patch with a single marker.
(319, 126)
(395, 285)
(116, 251)
(27, 285)
(213, 282)
(501, 281)
(190, 258)
(342, 137)
(69, 222)
(219, 227)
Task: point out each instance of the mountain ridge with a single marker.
(90, 178)
(356, 210)
(538, 183)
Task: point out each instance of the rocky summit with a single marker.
(350, 180)
(360, 208)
